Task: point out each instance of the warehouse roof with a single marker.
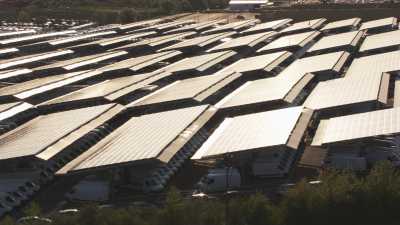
(200, 41)
(268, 26)
(245, 41)
(140, 62)
(373, 24)
(348, 23)
(304, 26)
(192, 90)
(267, 63)
(381, 41)
(258, 131)
(294, 40)
(337, 41)
(358, 126)
(141, 140)
(200, 63)
(40, 134)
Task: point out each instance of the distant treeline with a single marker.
(342, 198)
(106, 11)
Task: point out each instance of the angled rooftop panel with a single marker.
(18, 61)
(304, 26)
(374, 64)
(108, 42)
(36, 83)
(348, 24)
(7, 51)
(199, 42)
(75, 63)
(252, 132)
(109, 90)
(192, 91)
(287, 86)
(342, 41)
(197, 27)
(146, 139)
(268, 26)
(291, 42)
(245, 42)
(8, 110)
(162, 27)
(36, 37)
(16, 33)
(235, 26)
(9, 74)
(79, 37)
(346, 92)
(139, 24)
(381, 42)
(140, 62)
(200, 63)
(358, 126)
(41, 133)
(151, 43)
(262, 63)
(389, 23)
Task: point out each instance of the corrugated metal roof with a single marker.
(200, 62)
(141, 138)
(358, 126)
(351, 23)
(390, 21)
(199, 41)
(35, 136)
(382, 40)
(249, 41)
(8, 63)
(337, 41)
(272, 25)
(140, 62)
(267, 62)
(251, 132)
(291, 40)
(304, 25)
(193, 89)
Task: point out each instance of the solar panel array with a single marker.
(147, 91)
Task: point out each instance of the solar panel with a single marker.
(245, 41)
(235, 26)
(337, 42)
(141, 138)
(304, 25)
(251, 132)
(285, 42)
(347, 23)
(380, 41)
(35, 37)
(386, 22)
(358, 126)
(268, 26)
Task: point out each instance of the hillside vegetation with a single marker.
(106, 11)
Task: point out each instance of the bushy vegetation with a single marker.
(110, 11)
(341, 198)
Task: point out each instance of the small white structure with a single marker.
(246, 4)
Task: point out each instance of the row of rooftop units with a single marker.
(145, 99)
